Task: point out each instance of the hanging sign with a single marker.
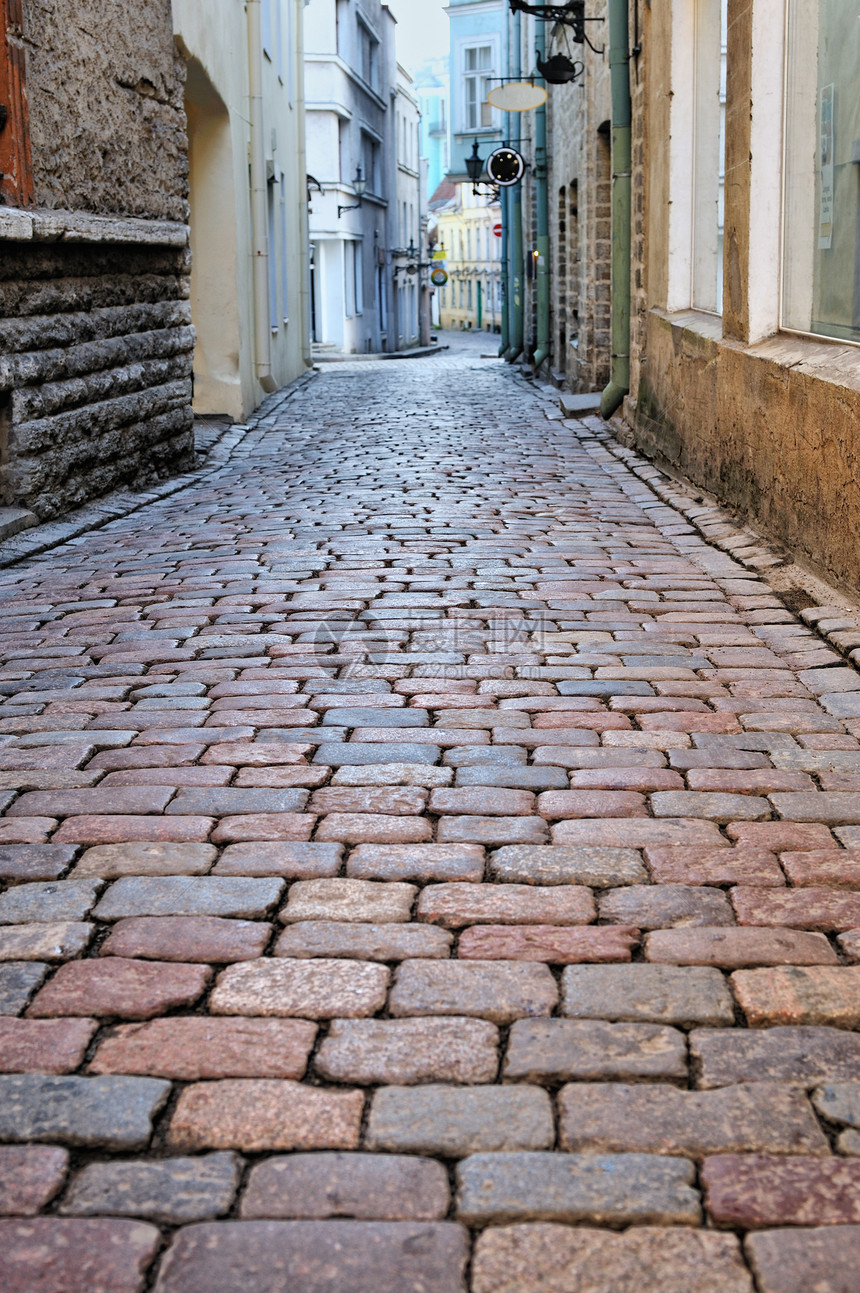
(439, 278)
(517, 96)
(505, 166)
(497, 230)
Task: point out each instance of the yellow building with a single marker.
(249, 242)
(467, 231)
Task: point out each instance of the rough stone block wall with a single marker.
(95, 370)
(107, 123)
(95, 326)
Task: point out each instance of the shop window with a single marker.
(821, 198)
(709, 151)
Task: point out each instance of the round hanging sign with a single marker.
(497, 230)
(505, 166)
(517, 96)
(439, 278)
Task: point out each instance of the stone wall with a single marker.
(580, 216)
(107, 126)
(95, 328)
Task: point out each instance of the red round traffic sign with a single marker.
(497, 230)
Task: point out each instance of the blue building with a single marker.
(432, 89)
(478, 60)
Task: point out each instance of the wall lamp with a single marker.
(475, 169)
(360, 186)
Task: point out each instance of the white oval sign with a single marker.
(517, 96)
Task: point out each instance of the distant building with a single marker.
(433, 90)
(405, 254)
(477, 62)
(466, 234)
(247, 188)
(351, 80)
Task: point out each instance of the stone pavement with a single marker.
(427, 865)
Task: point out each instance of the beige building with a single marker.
(743, 293)
(247, 192)
(468, 248)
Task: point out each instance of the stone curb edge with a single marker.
(121, 503)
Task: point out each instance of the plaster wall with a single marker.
(212, 37)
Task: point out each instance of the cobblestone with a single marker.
(455, 1122)
(618, 1190)
(30, 1176)
(655, 994)
(172, 1191)
(763, 1116)
(113, 1113)
(97, 1254)
(377, 784)
(365, 1256)
(366, 1187)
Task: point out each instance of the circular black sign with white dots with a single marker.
(505, 166)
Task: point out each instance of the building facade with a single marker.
(247, 188)
(469, 247)
(351, 86)
(406, 254)
(433, 91)
(95, 326)
(478, 60)
(745, 367)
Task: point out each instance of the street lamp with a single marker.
(474, 169)
(360, 186)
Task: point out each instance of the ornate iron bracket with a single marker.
(571, 14)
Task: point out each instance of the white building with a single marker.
(249, 243)
(351, 88)
(407, 253)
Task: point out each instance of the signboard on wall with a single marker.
(825, 168)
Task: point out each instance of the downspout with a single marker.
(517, 308)
(304, 231)
(259, 202)
(504, 339)
(542, 178)
(619, 73)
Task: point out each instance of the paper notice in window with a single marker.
(825, 168)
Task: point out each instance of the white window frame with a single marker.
(492, 42)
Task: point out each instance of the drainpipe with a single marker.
(259, 203)
(542, 178)
(619, 59)
(304, 231)
(504, 339)
(517, 311)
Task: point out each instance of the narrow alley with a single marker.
(428, 865)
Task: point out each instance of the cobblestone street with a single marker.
(428, 865)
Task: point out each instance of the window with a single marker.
(358, 276)
(369, 52)
(273, 258)
(469, 294)
(349, 279)
(370, 162)
(709, 150)
(821, 199)
(285, 300)
(478, 71)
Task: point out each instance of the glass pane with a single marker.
(485, 57)
(821, 240)
(471, 60)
